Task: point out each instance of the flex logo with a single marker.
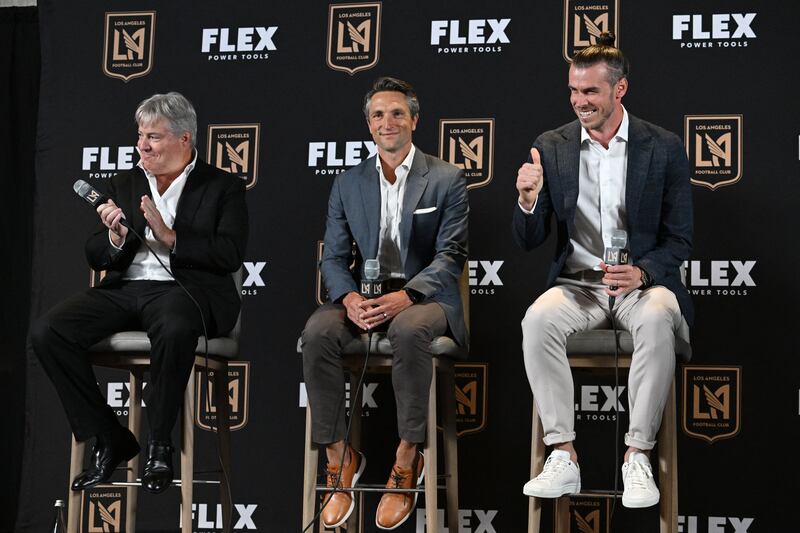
(484, 276)
(484, 35)
(332, 157)
(118, 396)
(367, 396)
(469, 521)
(236, 44)
(720, 30)
(106, 161)
(714, 524)
(597, 402)
(721, 278)
(253, 277)
(208, 518)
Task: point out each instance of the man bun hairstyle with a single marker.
(604, 51)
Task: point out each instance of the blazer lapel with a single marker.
(371, 200)
(416, 182)
(192, 194)
(568, 157)
(640, 150)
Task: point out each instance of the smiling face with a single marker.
(390, 122)
(597, 103)
(163, 152)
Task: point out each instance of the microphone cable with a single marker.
(611, 302)
(353, 398)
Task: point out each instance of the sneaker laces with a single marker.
(637, 475)
(552, 468)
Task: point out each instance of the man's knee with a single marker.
(659, 309)
(325, 325)
(540, 318)
(176, 327)
(405, 331)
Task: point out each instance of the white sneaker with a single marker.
(559, 476)
(637, 476)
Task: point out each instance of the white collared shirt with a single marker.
(601, 198)
(392, 194)
(145, 266)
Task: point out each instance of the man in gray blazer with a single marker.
(409, 210)
(606, 171)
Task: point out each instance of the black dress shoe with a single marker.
(157, 475)
(110, 449)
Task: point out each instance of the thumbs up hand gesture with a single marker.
(529, 180)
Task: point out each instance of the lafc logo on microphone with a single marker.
(468, 143)
(129, 38)
(234, 148)
(354, 36)
(585, 20)
(714, 148)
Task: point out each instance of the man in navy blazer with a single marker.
(606, 171)
(194, 219)
(409, 210)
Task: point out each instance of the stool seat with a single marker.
(601, 342)
(138, 342)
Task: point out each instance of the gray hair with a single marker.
(393, 84)
(172, 107)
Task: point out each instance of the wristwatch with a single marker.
(647, 280)
(414, 296)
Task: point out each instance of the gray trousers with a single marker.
(652, 316)
(410, 334)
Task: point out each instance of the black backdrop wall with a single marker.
(281, 84)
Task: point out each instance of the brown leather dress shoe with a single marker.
(338, 505)
(396, 507)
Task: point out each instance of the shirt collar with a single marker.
(186, 171)
(622, 132)
(406, 164)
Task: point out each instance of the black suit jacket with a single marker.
(658, 202)
(211, 233)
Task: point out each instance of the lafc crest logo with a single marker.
(129, 38)
(714, 148)
(711, 401)
(589, 515)
(471, 397)
(234, 148)
(585, 20)
(354, 36)
(102, 510)
(468, 143)
(238, 397)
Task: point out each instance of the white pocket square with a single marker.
(424, 210)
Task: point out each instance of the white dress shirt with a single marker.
(145, 266)
(391, 214)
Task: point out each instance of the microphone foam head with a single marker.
(372, 269)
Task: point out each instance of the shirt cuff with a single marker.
(114, 246)
(525, 210)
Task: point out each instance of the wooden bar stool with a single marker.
(595, 349)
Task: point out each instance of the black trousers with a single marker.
(63, 335)
(410, 334)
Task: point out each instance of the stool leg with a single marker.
(74, 498)
(310, 465)
(561, 512)
(355, 439)
(537, 463)
(134, 426)
(430, 467)
(450, 441)
(223, 428)
(187, 454)
(668, 465)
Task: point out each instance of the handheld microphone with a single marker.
(371, 285)
(616, 254)
(93, 196)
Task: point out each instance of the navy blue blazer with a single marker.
(658, 202)
(433, 232)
